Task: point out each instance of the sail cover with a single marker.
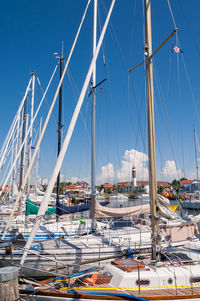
(31, 208)
(98, 211)
(62, 209)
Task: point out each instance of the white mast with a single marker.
(14, 184)
(44, 204)
(37, 162)
(22, 144)
(8, 138)
(31, 129)
(151, 132)
(46, 122)
(196, 157)
(93, 169)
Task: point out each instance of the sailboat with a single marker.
(170, 274)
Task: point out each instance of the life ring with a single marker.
(35, 247)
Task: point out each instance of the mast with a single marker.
(22, 152)
(31, 125)
(60, 125)
(151, 132)
(44, 204)
(37, 162)
(15, 154)
(93, 172)
(195, 148)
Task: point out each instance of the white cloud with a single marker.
(107, 174)
(130, 158)
(124, 173)
(75, 179)
(170, 171)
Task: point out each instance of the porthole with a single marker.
(170, 280)
(142, 282)
(195, 279)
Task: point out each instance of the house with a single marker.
(71, 188)
(107, 187)
(190, 185)
(141, 186)
(82, 184)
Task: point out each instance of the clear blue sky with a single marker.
(31, 31)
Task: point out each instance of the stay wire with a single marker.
(164, 105)
(173, 20)
(189, 28)
(114, 38)
(181, 114)
(85, 121)
(190, 86)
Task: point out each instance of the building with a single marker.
(107, 188)
(190, 185)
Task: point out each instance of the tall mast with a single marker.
(31, 124)
(59, 127)
(15, 154)
(195, 148)
(37, 162)
(151, 132)
(93, 172)
(23, 150)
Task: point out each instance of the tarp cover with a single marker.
(31, 208)
(62, 209)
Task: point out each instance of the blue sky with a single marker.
(31, 31)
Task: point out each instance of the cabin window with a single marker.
(170, 280)
(195, 279)
(142, 282)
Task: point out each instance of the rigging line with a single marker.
(40, 270)
(100, 26)
(181, 113)
(139, 114)
(115, 38)
(110, 98)
(163, 102)
(190, 86)
(84, 120)
(45, 255)
(169, 74)
(139, 126)
(9, 148)
(75, 92)
(132, 32)
(170, 9)
(98, 116)
(173, 20)
(26, 136)
(189, 29)
(46, 101)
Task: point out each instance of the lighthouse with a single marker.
(134, 175)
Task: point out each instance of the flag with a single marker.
(177, 50)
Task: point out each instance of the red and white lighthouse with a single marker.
(134, 175)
